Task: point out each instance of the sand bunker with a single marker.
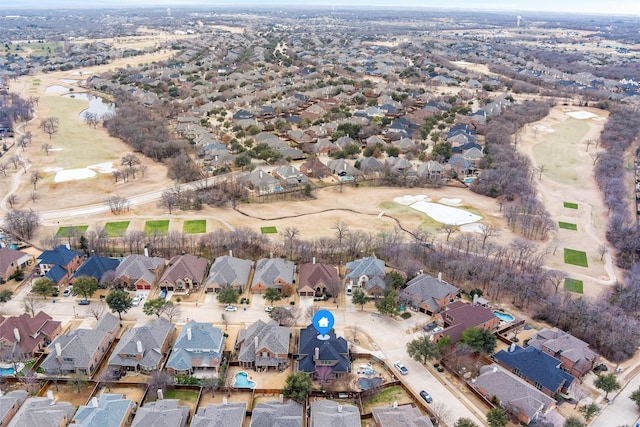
(450, 202)
(581, 115)
(106, 167)
(473, 228)
(408, 200)
(84, 173)
(446, 214)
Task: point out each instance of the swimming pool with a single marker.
(504, 316)
(241, 380)
(7, 370)
(367, 383)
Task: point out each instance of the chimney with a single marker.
(160, 394)
(313, 260)
(260, 174)
(16, 333)
(94, 402)
(146, 251)
(316, 354)
(339, 408)
(440, 276)
(512, 347)
(475, 299)
(67, 246)
(50, 395)
(281, 398)
(189, 334)
(58, 349)
(495, 369)
(230, 252)
(225, 401)
(139, 346)
(255, 343)
(395, 403)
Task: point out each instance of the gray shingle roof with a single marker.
(152, 337)
(185, 266)
(271, 336)
(137, 267)
(220, 415)
(427, 289)
(229, 271)
(401, 416)
(43, 412)
(369, 266)
(276, 414)
(324, 413)
(10, 399)
(268, 270)
(162, 413)
(206, 338)
(112, 410)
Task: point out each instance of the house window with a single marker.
(538, 385)
(517, 372)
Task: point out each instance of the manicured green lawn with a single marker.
(574, 257)
(570, 205)
(573, 285)
(195, 226)
(269, 230)
(183, 395)
(159, 226)
(116, 229)
(567, 225)
(73, 230)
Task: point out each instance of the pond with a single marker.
(56, 89)
(97, 105)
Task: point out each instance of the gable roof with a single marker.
(461, 316)
(151, 336)
(32, 331)
(268, 270)
(329, 413)
(559, 341)
(162, 413)
(335, 348)
(11, 400)
(274, 413)
(95, 266)
(271, 336)
(427, 289)
(110, 409)
(137, 267)
(185, 266)
(228, 270)
(196, 336)
(229, 414)
(43, 412)
(312, 274)
(400, 416)
(61, 255)
(369, 266)
(12, 257)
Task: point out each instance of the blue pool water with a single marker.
(6, 372)
(242, 381)
(504, 316)
(469, 179)
(367, 383)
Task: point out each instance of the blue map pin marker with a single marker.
(323, 321)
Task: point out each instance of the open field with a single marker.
(116, 229)
(160, 227)
(571, 256)
(195, 226)
(573, 285)
(567, 226)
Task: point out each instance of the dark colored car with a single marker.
(84, 302)
(426, 396)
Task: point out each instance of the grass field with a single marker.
(427, 223)
(269, 230)
(570, 205)
(567, 225)
(116, 229)
(196, 226)
(73, 230)
(573, 285)
(574, 257)
(160, 226)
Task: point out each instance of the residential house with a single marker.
(259, 181)
(576, 356)
(12, 260)
(58, 264)
(228, 271)
(314, 168)
(459, 316)
(139, 272)
(23, 336)
(81, 350)
(226, 414)
(110, 409)
(367, 273)
(427, 294)
(473, 155)
(290, 176)
(405, 145)
(43, 412)
(315, 279)
(371, 166)
(325, 146)
(142, 349)
(459, 165)
(514, 395)
(343, 170)
(273, 273)
(10, 403)
(95, 266)
(263, 345)
(329, 413)
(430, 170)
(162, 412)
(198, 348)
(323, 359)
(399, 416)
(184, 273)
(277, 413)
(536, 367)
(400, 166)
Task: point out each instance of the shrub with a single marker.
(405, 315)
(292, 303)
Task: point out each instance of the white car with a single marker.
(68, 291)
(135, 301)
(403, 369)
(436, 330)
(231, 308)
(268, 309)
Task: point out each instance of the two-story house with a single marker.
(427, 294)
(139, 272)
(198, 348)
(367, 273)
(184, 273)
(460, 316)
(264, 345)
(58, 264)
(576, 356)
(23, 336)
(323, 359)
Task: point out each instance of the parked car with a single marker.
(437, 329)
(84, 302)
(163, 294)
(68, 291)
(268, 309)
(429, 326)
(426, 396)
(403, 369)
(135, 301)
(231, 308)
(600, 367)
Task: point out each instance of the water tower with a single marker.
(518, 19)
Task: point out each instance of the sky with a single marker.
(617, 7)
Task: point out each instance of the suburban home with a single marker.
(459, 316)
(12, 260)
(371, 166)
(290, 176)
(142, 349)
(323, 359)
(198, 349)
(429, 170)
(325, 413)
(514, 395)
(315, 279)
(314, 168)
(162, 412)
(10, 403)
(139, 272)
(81, 350)
(273, 273)
(367, 273)
(58, 264)
(95, 266)
(43, 412)
(277, 413)
(535, 367)
(228, 271)
(576, 356)
(264, 345)
(400, 416)
(184, 273)
(226, 414)
(343, 170)
(259, 181)
(110, 409)
(427, 294)
(23, 336)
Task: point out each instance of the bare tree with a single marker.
(541, 169)
(596, 156)
(556, 278)
(602, 251)
(91, 119)
(588, 143)
(130, 161)
(448, 229)
(171, 311)
(3, 168)
(578, 394)
(342, 230)
(15, 160)
(442, 413)
(97, 310)
(50, 126)
(225, 321)
(489, 230)
(118, 204)
(33, 196)
(34, 178)
(285, 316)
(25, 164)
(291, 234)
(22, 223)
(31, 304)
(335, 287)
(12, 199)
(46, 147)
